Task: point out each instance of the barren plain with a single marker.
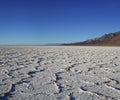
(59, 73)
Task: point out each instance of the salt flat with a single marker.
(59, 73)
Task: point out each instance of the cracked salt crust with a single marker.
(59, 73)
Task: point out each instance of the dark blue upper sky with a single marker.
(56, 21)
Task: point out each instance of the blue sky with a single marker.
(56, 21)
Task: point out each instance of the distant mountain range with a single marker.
(52, 44)
(111, 39)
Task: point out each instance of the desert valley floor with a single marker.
(59, 73)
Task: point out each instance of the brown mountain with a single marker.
(111, 39)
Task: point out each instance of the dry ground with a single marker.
(59, 73)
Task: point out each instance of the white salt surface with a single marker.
(59, 73)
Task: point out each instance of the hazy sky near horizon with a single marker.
(56, 21)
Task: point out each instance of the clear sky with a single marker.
(56, 21)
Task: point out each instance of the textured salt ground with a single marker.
(59, 73)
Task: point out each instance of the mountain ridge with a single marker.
(111, 39)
